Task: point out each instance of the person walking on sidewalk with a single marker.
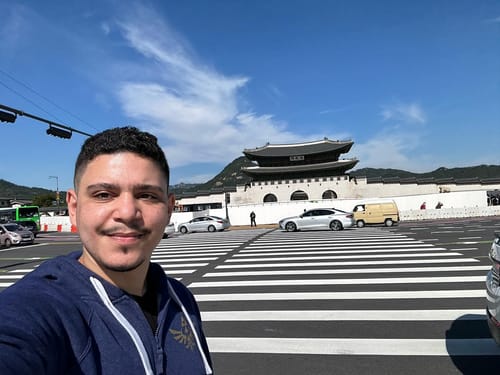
(252, 219)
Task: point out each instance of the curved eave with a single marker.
(334, 165)
(309, 148)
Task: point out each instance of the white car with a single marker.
(208, 223)
(318, 218)
(169, 230)
(17, 234)
(493, 290)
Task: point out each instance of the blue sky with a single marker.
(416, 85)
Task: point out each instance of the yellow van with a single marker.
(376, 213)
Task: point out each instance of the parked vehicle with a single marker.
(208, 223)
(18, 234)
(169, 230)
(493, 290)
(318, 218)
(4, 238)
(30, 225)
(376, 213)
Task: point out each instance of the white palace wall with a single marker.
(458, 200)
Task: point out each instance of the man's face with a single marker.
(121, 208)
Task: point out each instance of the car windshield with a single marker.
(11, 227)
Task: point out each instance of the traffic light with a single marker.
(7, 117)
(58, 132)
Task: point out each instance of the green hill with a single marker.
(231, 176)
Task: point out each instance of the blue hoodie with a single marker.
(64, 319)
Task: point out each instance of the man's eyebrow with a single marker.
(108, 186)
(102, 185)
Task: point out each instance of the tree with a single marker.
(44, 200)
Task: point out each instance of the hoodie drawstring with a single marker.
(125, 324)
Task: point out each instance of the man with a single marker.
(252, 219)
(107, 309)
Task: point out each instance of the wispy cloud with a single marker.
(193, 108)
(409, 113)
(493, 20)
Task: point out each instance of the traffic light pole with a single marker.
(55, 129)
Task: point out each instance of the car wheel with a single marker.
(389, 222)
(336, 225)
(183, 230)
(211, 228)
(7, 243)
(290, 227)
(360, 223)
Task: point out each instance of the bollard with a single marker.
(59, 227)
(73, 229)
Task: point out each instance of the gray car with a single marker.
(493, 290)
(18, 234)
(318, 218)
(4, 238)
(208, 223)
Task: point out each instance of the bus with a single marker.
(21, 214)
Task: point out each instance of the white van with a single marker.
(376, 213)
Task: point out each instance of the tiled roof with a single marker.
(316, 147)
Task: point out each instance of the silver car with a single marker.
(318, 218)
(493, 290)
(4, 238)
(169, 230)
(17, 234)
(204, 223)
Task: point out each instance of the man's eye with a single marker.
(148, 196)
(102, 195)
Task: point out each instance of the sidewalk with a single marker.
(259, 226)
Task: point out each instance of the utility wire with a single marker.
(44, 98)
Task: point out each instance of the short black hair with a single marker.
(121, 139)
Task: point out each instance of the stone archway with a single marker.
(299, 195)
(270, 198)
(329, 194)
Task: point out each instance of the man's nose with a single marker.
(127, 208)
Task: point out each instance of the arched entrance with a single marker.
(299, 195)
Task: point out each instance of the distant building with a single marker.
(300, 160)
(314, 171)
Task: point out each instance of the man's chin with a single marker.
(124, 267)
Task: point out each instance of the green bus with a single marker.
(21, 214)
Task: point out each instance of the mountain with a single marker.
(479, 171)
(10, 190)
(231, 176)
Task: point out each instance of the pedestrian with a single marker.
(107, 309)
(423, 206)
(252, 219)
(439, 205)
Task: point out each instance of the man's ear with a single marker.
(71, 199)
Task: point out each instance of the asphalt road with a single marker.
(402, 300)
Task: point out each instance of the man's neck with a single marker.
(132, 282)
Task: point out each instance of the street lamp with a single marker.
(57, 192)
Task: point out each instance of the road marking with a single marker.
(293, 296)
(350, 263)
(269, 252)
(344, 315)
(367, 281)
(362, 346)
(347, 271)
(414, 255)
